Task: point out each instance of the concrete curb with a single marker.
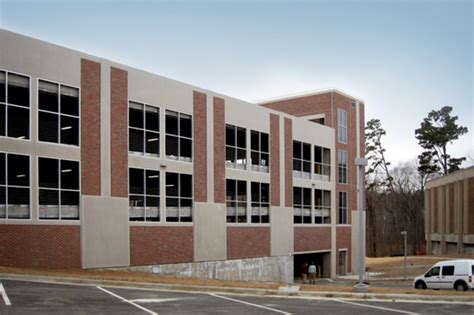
(251, 291)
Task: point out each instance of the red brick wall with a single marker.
(275, 159)
(160, 245)
(312, 238)
(90, 127)
(288, 162)
(470, 207)
(344, 235)
(306, 106)
(119, 132)
(248, 242)
(200, 147)
(40, 246)
(219, 150)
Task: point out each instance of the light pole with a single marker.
(404, 233)
(361, 286)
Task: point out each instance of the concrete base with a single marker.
(360, 288)
(275, 269)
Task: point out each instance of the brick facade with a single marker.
(312, 238)
(40, 246)
(200, 147)
(160, 245)
(275, 159)
(90, 128)
(248, 242)
(344, 240)
(288, 162)
(119, 132)
(219, 150)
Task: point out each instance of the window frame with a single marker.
(59, 190)
(303, 207)
(259, 205)
(342, 168)
(322, 165)
(325, 206)
(342, 210)
(144, 130)
(236, 148)
(16, 106)
(179, 136)
(58, 113)
(237, 201)
(301, 173)
(179, 198)
(342, 125)
(159, 196)
(259, 167)
(6, 186)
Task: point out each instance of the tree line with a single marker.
(395, 195)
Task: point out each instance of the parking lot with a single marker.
(43, 298)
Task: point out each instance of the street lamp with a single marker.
(361, 286)
(404, 233)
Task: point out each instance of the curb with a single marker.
(237, 290)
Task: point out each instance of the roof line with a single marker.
(306, 93)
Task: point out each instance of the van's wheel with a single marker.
(420, 285)
(460, 286)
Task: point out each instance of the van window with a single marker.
(448, 271)
(433, 272)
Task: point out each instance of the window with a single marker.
(143, 129)
(144, 195)
(302, 205)
(342, 166)
(433, 272)
(447, 271)
(236, 200)
(179, 134)
(179, 197)
(58, 113)
(235, 147)
(14, 105)
(301, 159)
(14, 186)
(260, 202)
(322, 206)
(259, 151)
(342, 125)
(342, 207)
(322, 163)
(58, 189)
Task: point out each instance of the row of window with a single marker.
(58, 188)
(236, 149)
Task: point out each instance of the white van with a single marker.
(449, 274)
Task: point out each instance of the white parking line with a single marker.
(125, 300)
(4, 295)
(255, 305)
(377, 307)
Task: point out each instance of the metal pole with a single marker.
(404, 233)
(361, 163)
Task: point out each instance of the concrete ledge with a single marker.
(249, 291)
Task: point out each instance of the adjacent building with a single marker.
(103, 165)
(449, 213)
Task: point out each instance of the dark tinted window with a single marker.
(18, 122)
(448, 271)
(18, 90)
(18, 170)
(69, 101)
(48, 173)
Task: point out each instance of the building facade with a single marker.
(103, 165)
(449, 213)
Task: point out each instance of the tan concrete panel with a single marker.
(210, 231)
(282, 234)
(105, 237)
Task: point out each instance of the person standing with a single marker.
(304, 272)
(312, 273)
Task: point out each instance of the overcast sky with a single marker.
(404, 58)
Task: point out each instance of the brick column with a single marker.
(219, 150)
(288, 162)
(275, 159)
(200, 147)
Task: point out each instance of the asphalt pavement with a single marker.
(46, 298)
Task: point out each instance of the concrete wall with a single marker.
(276, 269)
(210, 235)
(104, 232)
